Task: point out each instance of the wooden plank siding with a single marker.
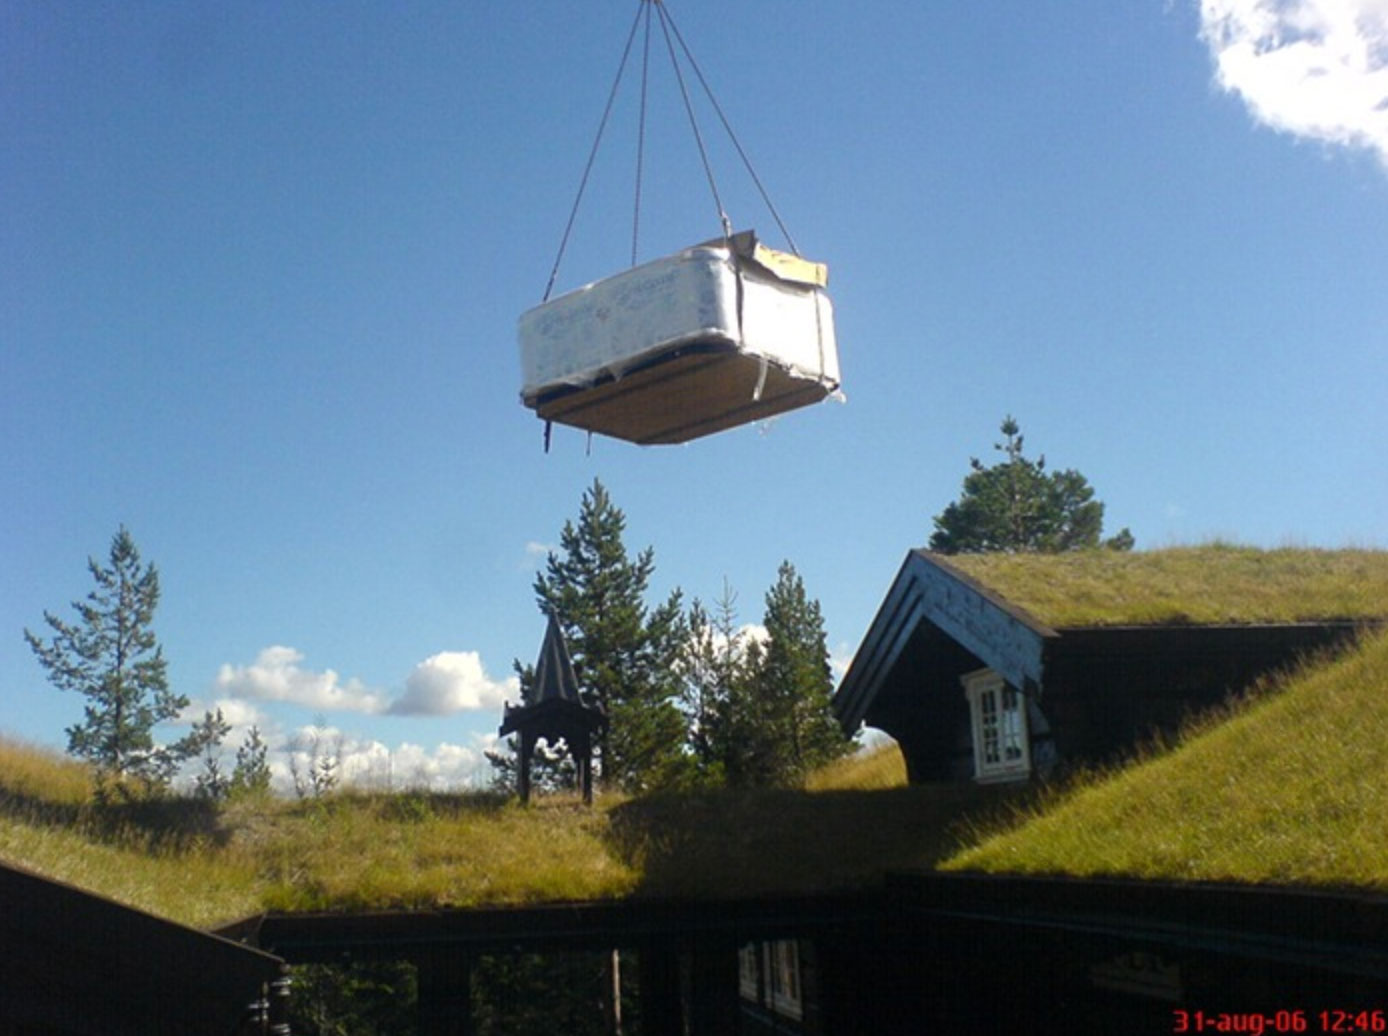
(1091, 692)
(76, 963)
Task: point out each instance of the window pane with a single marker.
(988, 727)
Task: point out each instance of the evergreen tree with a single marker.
(625, 656)
(112, 657)
(777, 725)
(251, 776)
(714, 670)
(1015, 505)
(212, 783)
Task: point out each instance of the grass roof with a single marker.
(1214, 584)
(352, 851)
(1286, 789)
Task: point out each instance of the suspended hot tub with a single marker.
(718, 335)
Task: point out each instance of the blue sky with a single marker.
(261, 265)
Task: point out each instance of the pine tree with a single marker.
(625, 657)
(113, 658)
(251, 776)
(713, 670)
(212, 783)
(1016, 505)
(777, 725)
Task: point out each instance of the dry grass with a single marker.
(198, 886)
(1217, 583)
(1285, 789)
(425, 851)
(142, 854)
(41, 777)
(184, 860)
(352, 851)
(1288, 790)
(869, 770)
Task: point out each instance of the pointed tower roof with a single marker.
(556, 712)
(555, 707)
(554, 670)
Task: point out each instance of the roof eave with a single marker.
(1007, 638)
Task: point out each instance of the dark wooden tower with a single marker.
(555, 710)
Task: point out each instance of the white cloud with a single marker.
(753, 633)
(367, 764)
(445, 683)
(452, 681)
(1313, 68)
(840, 659)
(445, 766)
(275, 675)
(536, 553)
(239, 714)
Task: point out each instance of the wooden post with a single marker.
(614, 993)
(582, 752)
(527, 752)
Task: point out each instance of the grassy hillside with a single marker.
(1288, 789)
(1207, 584)
(146, 854)
(184, 860)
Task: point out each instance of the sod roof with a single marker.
(1283, 788)
(1216, 584)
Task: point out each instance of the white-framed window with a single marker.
(768, 974)
(784, 971)
(747, 982)
(998, 713)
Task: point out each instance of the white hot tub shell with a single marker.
(709, 338)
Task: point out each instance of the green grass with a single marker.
(1217, 583)
(178, 858)
(143, 854)
(1288, 789)
(786, 842)
(356, 851)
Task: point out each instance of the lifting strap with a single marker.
(593, 153)
(672, 36)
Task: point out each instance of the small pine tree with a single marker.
(251, 776)
(713, 668)
(625, 656)
(318, 776)
(113, 658)
(777, 725)
(212, 783)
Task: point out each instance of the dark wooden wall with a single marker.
(1109, 690)
(1105, 690)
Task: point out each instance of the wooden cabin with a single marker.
(79, 964)
(1004, 667)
